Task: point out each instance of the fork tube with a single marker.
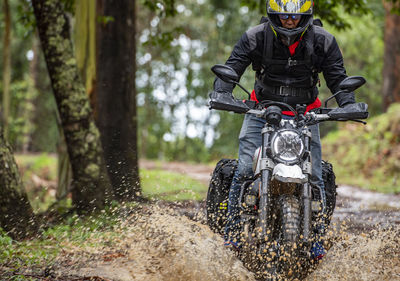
(307, 211)
(307, 196)
(265, 196)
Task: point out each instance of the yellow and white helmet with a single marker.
(301, 7)
(290, 7)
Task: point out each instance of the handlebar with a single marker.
(351, 112)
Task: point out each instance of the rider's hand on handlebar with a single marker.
(346, 104)
(226, 101)
(218, 95)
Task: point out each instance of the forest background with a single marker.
(155, 79)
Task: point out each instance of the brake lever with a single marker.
(360, 121)
(354, 120)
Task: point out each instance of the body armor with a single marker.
(286, 78)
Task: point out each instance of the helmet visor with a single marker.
(303, 7)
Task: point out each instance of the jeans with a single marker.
(249, 140)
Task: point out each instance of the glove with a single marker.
(226, 101)
(344, 99)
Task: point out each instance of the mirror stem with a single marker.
(247, 92)
(326, 102)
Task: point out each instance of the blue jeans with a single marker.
(249, 140)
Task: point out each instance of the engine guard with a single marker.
(285, 173)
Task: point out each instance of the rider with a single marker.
(287, 51)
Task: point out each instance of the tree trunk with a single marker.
(6, 66)
(16, 214)
(391, 68)
(116, 94)
(90, 181)
(85, 46)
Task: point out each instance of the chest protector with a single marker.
(286, 78)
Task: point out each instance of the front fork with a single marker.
(265, 196)
(306, 192)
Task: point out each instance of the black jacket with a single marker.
(327, 58)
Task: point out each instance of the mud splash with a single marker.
(159, 243)
(367, 256)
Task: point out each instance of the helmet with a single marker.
(299, 7)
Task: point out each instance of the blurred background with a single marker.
(176, 44)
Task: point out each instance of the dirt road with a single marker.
(170, 241)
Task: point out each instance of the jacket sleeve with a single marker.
(334, 71)
(239, 60)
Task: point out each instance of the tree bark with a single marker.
(16, 214)
(391, 68)
(116, 94)
(6, 66)
(85, 45)
(90, 181)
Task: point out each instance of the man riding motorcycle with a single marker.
(287, 51)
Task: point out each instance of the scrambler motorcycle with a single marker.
(281, 211)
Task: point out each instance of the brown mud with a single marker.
(171, 241)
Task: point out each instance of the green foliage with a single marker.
(329, 11)
(171, 186)
(21, 110)
(26, 17)
(105, 19)
(361, 58)
(371, 152)
(38, 173)
(44, 165)
(164, 8)
(216, 26)
(174, 80)
(178, 42)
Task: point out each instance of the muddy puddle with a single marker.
(163, 243)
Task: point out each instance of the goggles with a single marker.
(287, 16)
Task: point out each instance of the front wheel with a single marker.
(290, 218)
(285, 257)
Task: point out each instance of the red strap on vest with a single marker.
(316, 104)
(292, 48)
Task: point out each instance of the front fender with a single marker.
(285, 173)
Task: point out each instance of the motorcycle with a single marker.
(281, 211)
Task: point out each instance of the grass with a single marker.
(158, 184)
(43, 165)
(86, 234)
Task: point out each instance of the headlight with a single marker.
(287, 146)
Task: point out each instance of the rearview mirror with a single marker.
(352, 83)
(225, 73)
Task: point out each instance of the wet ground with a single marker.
(364, 235)
(170, 241)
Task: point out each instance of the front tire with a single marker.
(290, 218)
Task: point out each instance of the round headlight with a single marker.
(287, 146)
